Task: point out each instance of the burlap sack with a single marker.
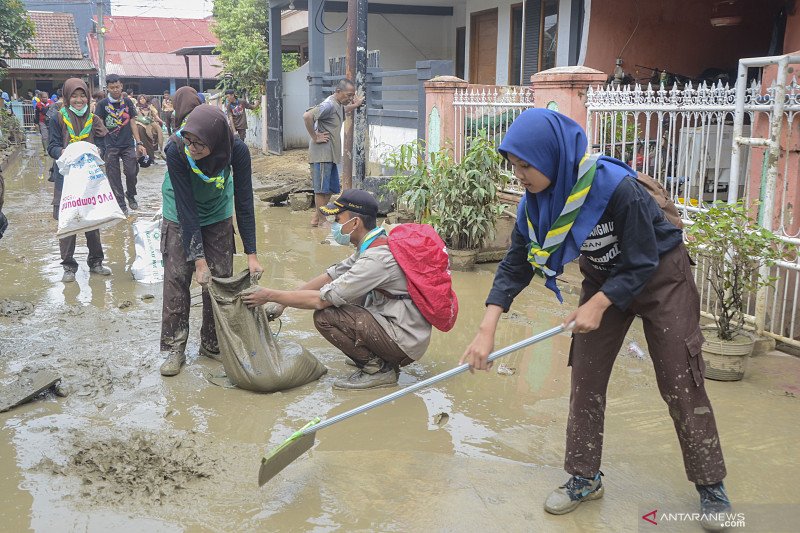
(250, 355)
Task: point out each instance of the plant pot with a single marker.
(726, 360)
(462, 260)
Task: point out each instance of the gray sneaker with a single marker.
(174, 362)
(100, 269)
(569, 495)
(68, 277)
(361, 379)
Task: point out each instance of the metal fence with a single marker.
(685, 138)
(488, 111)
(25, 114)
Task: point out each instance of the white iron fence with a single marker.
(684, 137)
(488, 111)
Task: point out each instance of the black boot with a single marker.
(715, 507)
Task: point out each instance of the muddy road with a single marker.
(128, 450)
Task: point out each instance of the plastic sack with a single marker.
(249, 353)
(148, 266)
(87, 202)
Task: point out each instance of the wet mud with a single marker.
(129, 450)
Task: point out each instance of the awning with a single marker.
(45, 65)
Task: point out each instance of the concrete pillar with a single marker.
(563, 89)
(440, 117)
(275, 49)
(427, 70)
(316, 56)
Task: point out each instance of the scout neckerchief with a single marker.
(369, 238)
(539, 254)
(120, 117)
(87, 128)
(218, 181)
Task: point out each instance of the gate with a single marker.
(719, 143)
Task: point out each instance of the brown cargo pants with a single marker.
(354, 331)
(218, 246)
(670, 310)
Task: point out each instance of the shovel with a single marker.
(303, 439)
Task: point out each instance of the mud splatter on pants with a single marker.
(670, 310)
(218, 245)
(354, 331)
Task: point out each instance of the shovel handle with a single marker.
(435, 379)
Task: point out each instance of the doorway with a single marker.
(483, 47)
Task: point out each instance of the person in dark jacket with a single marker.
(118, 113)
(208, 174)
(634, 263)
(71, 123)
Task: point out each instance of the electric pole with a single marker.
(101, 46)
(355, 130)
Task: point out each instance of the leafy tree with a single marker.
(241, 27)
(16, 29)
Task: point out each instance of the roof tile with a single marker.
(56, 36)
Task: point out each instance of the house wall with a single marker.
(675, 35)
(791, 41)
(402, 39)
(504, 34)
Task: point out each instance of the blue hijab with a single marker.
(555, 145)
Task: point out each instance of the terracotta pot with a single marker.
(462, 260)
(726, 360)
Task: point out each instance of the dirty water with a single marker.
(131, 451)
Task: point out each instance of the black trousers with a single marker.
(67, 244)
(131, 168)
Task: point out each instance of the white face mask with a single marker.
(80, 112)
(338, 236)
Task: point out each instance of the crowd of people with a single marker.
(575, 206)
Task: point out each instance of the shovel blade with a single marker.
(283, 456)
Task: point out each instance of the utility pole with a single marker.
(355, 128)
(101, 46)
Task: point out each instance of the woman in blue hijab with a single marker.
(633, 263)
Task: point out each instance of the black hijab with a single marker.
(210, 126)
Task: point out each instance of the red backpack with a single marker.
(422, 255)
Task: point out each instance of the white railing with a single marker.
(488, 111)
(684, 138)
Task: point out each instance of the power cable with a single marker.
(319, 19)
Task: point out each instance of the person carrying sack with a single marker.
(208, 172)
(361, 305)
(634, 263)
(72, 123)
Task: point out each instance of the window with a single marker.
(515, 55)
(548, 34)
(540, 28)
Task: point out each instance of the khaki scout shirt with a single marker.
(375, 268)
(328, 117)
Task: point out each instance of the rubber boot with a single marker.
(715, 507)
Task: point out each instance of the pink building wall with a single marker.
(676, 35)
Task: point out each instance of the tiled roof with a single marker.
(140, 47)
(55, 37)
(73, 65)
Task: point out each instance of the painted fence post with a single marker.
(563, 89)
(440, 116)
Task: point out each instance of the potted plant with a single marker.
(731, 249)
(465, 202)
(459, 200)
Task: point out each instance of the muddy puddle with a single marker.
(129, 450)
